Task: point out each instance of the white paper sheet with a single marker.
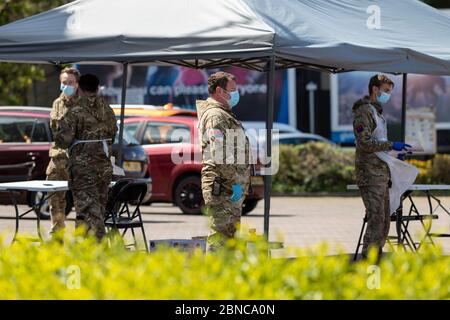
(117, 171)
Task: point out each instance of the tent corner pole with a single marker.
(270, 71)
(404, 92)
(122, 112)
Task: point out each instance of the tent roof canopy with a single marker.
(331, 35)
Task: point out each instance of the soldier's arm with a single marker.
(113, 125)
(110, 120)
(363, 127)
(215, 135)
(54, 115)
(65, 133)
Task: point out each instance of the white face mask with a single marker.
(383, 98)
(67, 90)
(234, 98)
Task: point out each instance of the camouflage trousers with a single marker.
(225, 216)
(376, 201)
(89, 185)
(57, 170)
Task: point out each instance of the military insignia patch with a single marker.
(216, 134)
(359, 128)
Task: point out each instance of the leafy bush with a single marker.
(424, 170)
(435, 171)
(312, 167)
(49, 271)
(440, 170)
(318, 166)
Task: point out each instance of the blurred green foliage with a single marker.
(314, 167)
(83, 269)
(16, 79)
(322, 167)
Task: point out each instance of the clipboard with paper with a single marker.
(420, 131)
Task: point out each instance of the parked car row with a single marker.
(285, 134)
(163, 131)
(25, 140)
(166, 140)
(154, 139)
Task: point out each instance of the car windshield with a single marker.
(128, 139)
(22, 130)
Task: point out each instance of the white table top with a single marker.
(39, 185)
(35, 185)
(414, 187)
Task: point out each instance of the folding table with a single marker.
(402, 221)
(43, 186)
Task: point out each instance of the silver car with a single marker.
(284, 133)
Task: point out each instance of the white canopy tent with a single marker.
(372, 35)
(404, 36)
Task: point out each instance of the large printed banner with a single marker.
(182, 86)
(424, 93)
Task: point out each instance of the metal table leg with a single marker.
(33, 208)
(38, 214)
(398, 225)
(403, 235)
(14, 201)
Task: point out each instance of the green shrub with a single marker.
(317, 166)
(433, 171)
(47, 272)
(440, 170)
(312, 167)
(424, 167)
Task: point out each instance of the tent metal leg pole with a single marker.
(403, 124)
(269, 125)
(122, 112)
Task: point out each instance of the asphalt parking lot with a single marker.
(299, 221)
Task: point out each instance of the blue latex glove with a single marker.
(400, 146)
(238, 192)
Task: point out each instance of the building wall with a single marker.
(321, 100)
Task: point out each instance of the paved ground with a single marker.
(301, 221)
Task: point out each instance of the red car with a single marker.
(169, 142)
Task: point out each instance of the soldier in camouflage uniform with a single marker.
(226, 159)
(57, 168)
(88, 131)
(372, 173)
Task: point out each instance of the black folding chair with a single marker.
(119, 213)
(406, 236)
(402, 224)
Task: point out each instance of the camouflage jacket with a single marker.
(369, 169)
(217, 124)
(91, 119)
(59, 109)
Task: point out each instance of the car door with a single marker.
(159, 138)
(24, 145)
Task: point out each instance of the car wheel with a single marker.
(249, 205)
(44, 213)
(188, 195)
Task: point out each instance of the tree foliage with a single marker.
(16, 79)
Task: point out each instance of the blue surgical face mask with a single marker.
(67, 90)
(383, 97)
(234, 98)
